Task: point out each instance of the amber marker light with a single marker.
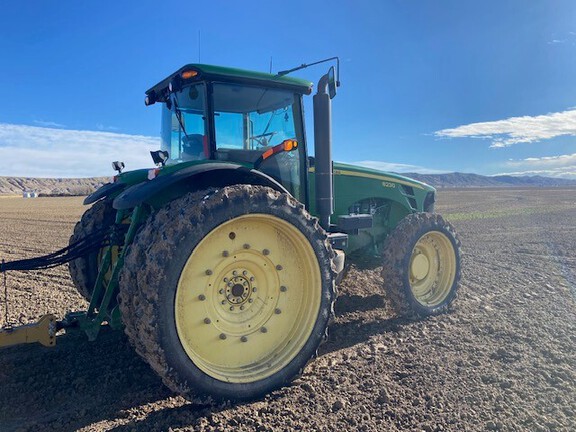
(290, 145)
(189, 74)
(286, 145)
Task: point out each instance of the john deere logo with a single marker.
(388, 184)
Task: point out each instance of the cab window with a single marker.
(250, 120)
(184, 125)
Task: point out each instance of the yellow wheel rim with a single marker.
(248, 298)
(432, 268)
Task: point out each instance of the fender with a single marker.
(104, 191)
(195, 177)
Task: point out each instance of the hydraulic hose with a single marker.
(82, 247)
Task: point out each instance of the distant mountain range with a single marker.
(459, 180)
(84, 186)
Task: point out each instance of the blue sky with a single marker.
(430, 86)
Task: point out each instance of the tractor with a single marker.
(221, 262)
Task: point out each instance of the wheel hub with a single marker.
(420, 266)
(237, 290)
(237, 287)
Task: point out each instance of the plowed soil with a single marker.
(503, 359)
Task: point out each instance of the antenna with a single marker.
(198, 45)
(270, 64)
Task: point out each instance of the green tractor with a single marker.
(221, 263)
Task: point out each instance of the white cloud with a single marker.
(515, 130)
(561, 166)
(565, 37)
(566, 173)
(560, 161)
(48, 124)
(102, 127)
(31, 151)
(397, 167)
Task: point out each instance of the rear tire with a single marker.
(84, 270)
(421, 268)
(228, 293)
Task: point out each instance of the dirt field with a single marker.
(504, 358)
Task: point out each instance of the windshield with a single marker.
(184, 126)
(250, 120)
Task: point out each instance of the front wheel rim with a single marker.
(432, 269)
(248, 298)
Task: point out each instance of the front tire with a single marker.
(421, 268)
(228, 293)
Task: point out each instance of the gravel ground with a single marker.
(504, 359)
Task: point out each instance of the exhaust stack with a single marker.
(323, 152)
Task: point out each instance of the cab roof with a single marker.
(231, 75)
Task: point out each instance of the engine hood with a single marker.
(355, 170)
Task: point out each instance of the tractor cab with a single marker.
(231, 115)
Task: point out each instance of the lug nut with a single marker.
(242, 307)
(225, 253)
(223, 302)
(222, 336)
(221, 291)
(277, 311)
(278, 267)
(252, 279)
(250, 300)
(225, 279)
(244, 272)
(231, 308)
(246, 246)
(244, 339)
(207, 321)
(266, 252)
(283, 288)
(208, 272)
(254, 289)
(234, 272)
(264, 330)
(201, 297)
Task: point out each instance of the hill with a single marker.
(50, 186)
(85, 186)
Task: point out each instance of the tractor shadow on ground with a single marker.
(359, 317)
(358, 328)
(74, 384)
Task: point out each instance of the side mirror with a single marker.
(118, 166)
(331, 83)
(159, 157)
